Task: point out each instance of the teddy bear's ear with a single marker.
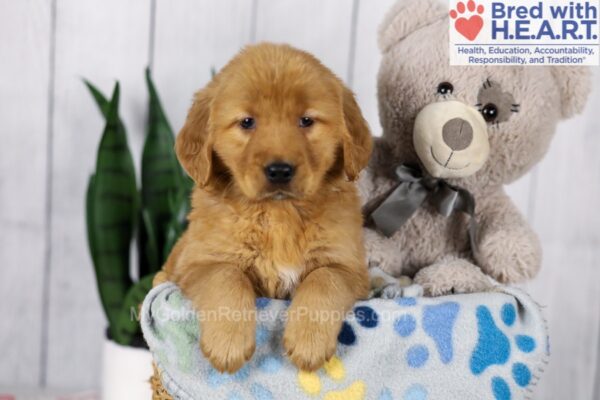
(407, 16)
(574, 84)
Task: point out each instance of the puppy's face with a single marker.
(277, 124)
(278, 133)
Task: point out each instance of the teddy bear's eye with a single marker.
(489, 112)
(445, 88)
(495, 103)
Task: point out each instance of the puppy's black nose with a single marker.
(279, 172)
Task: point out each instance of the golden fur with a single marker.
(249, 238)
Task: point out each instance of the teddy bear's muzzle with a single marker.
(451, 139)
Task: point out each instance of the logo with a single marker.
(468, 27)
(524, 32)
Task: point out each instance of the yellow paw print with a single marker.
(334, 368)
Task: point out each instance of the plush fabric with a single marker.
(474, 346)
(530, 101)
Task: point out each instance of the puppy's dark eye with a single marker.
(305, 122)
(445, 88)
(248, 123)
(489, 112)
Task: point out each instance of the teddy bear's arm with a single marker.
(382, 252)
(508, 249)
(452, 274)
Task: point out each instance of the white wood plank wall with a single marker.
(51, 325)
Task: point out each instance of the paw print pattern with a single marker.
(437, 322)
(494, 348)
(427, 333)
(216, 379)
(468, 21)
(310, 382)
(366, 317)
(414, 392)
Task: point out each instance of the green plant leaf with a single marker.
(151, 247)
(112, 204)
(101, 101)
(126, 325)
(180, 208)
(114, 209)
(89, 218)
(162, 175)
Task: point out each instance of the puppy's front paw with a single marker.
(309, 344)
(228, 345)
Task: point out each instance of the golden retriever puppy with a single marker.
(273, 144)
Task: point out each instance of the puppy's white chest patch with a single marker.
(289, 277)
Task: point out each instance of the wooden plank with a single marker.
(322, 28)
(566, 197)
(567, 287)
(367, 58)
(102, 41)
(24, 81)
(567, 190)
(190, 38)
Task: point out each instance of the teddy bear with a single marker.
(453, 136)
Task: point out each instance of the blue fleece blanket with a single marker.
(476, 346)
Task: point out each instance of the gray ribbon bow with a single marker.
(393, 208)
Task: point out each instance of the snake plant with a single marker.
(118, 213)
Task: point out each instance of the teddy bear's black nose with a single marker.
(457, 134)
(279, 172)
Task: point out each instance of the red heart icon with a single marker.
(469, 28)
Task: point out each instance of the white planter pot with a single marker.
(126, 372)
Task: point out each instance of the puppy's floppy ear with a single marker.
(194, 142)
(407, 16)
(575, 85)
(358, 142)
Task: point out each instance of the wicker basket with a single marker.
(158, 391)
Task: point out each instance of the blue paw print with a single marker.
(437, 322)
(417, 356)
(267, 365)
(494, 348)
(366, 317)
(347, 336)
(414, 392)
(406, 301)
